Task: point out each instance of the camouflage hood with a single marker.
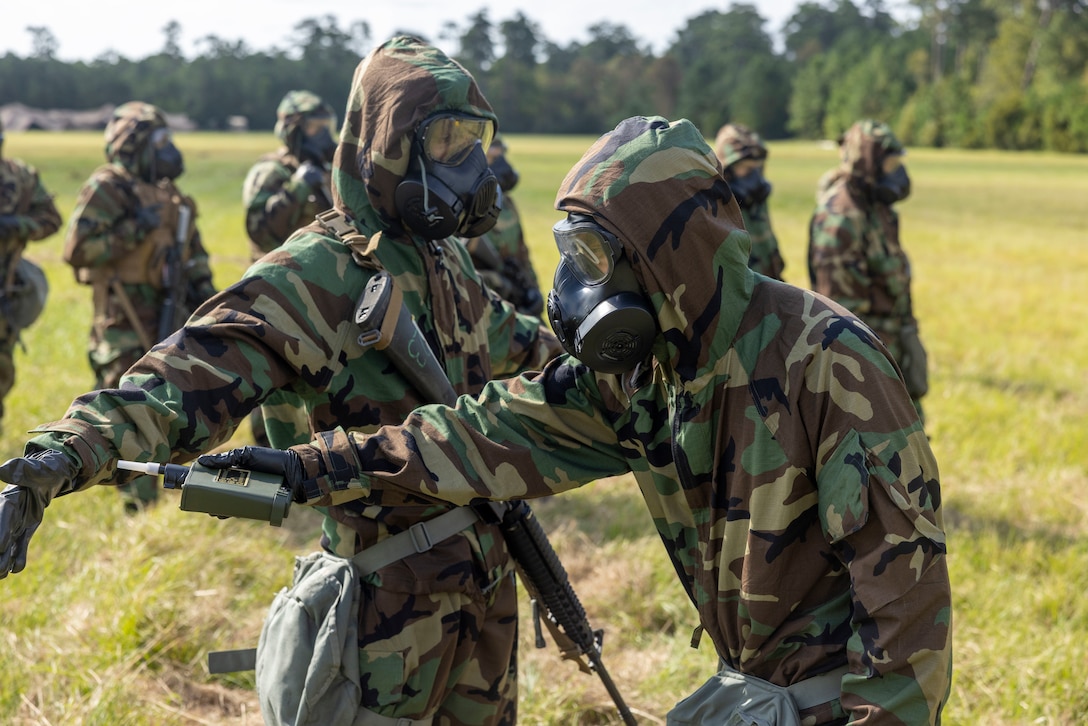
(658, 187)
(735, 142)
(398, 86)
(864, 147)
(129, 131)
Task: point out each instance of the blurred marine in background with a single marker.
(287, 188)
(134, 239)
(436, 625)
(855, 256)
(27, 214)
(743, 157)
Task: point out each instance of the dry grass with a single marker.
(111, 621)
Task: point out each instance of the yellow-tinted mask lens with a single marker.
(314, 125)
(587, 249)
(449, 139)
(161, 138)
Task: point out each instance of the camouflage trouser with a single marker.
(441, 654)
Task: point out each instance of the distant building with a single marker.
(19, 117)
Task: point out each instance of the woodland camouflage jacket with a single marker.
(275, 204)
(772, 439)
(288, 324)
(23, 195)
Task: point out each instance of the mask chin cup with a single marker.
(615, 336)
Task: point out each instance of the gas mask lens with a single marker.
(449, 138)
(314, 125)
(590, 250)
(161, 138)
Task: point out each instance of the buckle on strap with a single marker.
(823, 688)
(421, 538)
(418, 538)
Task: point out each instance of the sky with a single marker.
(134, 29)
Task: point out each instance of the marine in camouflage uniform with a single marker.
(126, 220)
(289, 325)
(278, 194)
(743, 156)
(285, 190)
(855, 256)
(786, 471)
(27, 214)
(502, 255)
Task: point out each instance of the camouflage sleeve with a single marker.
(879, 507)
(522, 438)
(274, 204)
(28, 201)
(43, 215)
(838, 267)
(102, 228)
(188, 394)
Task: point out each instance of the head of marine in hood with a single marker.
(412, 157)
(653, 252)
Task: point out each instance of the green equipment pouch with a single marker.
(25, 297)
(914, 362)
(308, 652)
(731, 698)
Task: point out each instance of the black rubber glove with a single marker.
(286, 463)
(309, 174)
(35, 480)
(148, 218)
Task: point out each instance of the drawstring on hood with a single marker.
(658, 187)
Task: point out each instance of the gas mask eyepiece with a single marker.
(597, 307)
(449, 188)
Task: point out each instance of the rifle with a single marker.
(388, 326)
(174, 280)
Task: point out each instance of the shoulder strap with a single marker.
(363, 248)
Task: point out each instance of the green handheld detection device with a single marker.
(222, 492)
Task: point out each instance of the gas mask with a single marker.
(508, 178)
(318, 139)
(892, 188)
(750, 189)
(597, 307)
(449, 188)
(166, 161)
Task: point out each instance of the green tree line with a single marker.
(1007, 74)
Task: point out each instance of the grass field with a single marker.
(111, 622)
